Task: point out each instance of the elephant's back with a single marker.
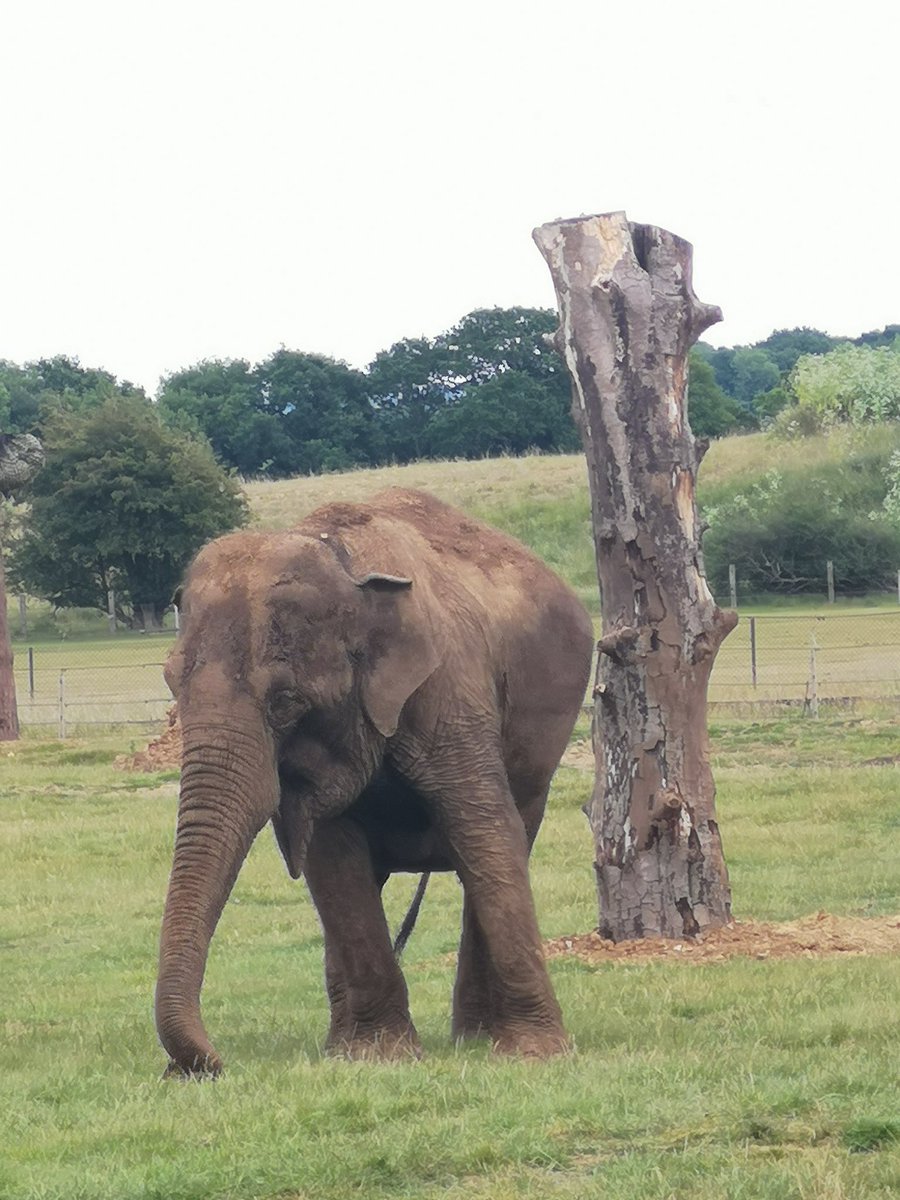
(475, 575)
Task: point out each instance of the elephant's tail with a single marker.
(409, 921)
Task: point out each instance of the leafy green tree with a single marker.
(769, 404)
(217, 399)
(508, 414)
(878, 337)
(29, 394)
(322, 408)
(855, 384)
(407, 385)
(710, 411)
(785, 346)
(64, 376)
(488, 341)
(721, 359)
(753, 373)
(781, 528)
(292, 413)
(418, 384)
(122, 503)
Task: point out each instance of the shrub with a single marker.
(781, 528)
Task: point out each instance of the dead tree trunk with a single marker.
(21, 456)
(628, 319)
(9, 712)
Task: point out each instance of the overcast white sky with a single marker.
(209, 178)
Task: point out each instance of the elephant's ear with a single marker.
(402, 650)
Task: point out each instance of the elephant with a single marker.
(391, 684)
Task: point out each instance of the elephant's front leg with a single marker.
(503, 980)
(366, 989)
(477, 1000)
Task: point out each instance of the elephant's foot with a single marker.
(383, 1045)
(525, 1042)
(209, 1069)
(467, 1027)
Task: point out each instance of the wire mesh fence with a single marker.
(766, 659)
(808, 658)
(64, 686)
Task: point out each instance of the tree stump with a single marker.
(21, 457)
(628, 319)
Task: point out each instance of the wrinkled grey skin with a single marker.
(391, 684)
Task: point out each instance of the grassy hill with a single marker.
(543, 499)
(540, 499)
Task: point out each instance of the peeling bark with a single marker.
(628, 319)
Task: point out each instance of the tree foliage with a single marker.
(291, 414)
(32, 393)
(856, 384)
(491, 384)
(121, 503)
(711, 412)
(780, 528)
(508, 414)
(296, 413)
(785, 346)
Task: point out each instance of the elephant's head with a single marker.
(290, 675)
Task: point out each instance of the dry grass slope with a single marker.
(499, 482)
(483, 483)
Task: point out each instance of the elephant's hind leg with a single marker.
(474, 998)
(366, 989)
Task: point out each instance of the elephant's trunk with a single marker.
(228, 792)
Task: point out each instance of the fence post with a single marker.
(829, 571)
(111, 609)
(61, 714)
(31, 673)
(732, 584)
(753, 650)
(811, 704)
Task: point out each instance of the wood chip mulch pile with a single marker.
(163, 753)
(814, 936)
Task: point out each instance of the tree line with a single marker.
(490, 385)
(133, 485)
(735, 388)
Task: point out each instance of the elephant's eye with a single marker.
(285, 707)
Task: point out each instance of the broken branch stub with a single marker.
(628, 318)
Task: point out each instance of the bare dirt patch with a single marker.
(815, 936)
(163, 753)
(579, 755)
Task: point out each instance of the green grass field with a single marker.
(745, 1079)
